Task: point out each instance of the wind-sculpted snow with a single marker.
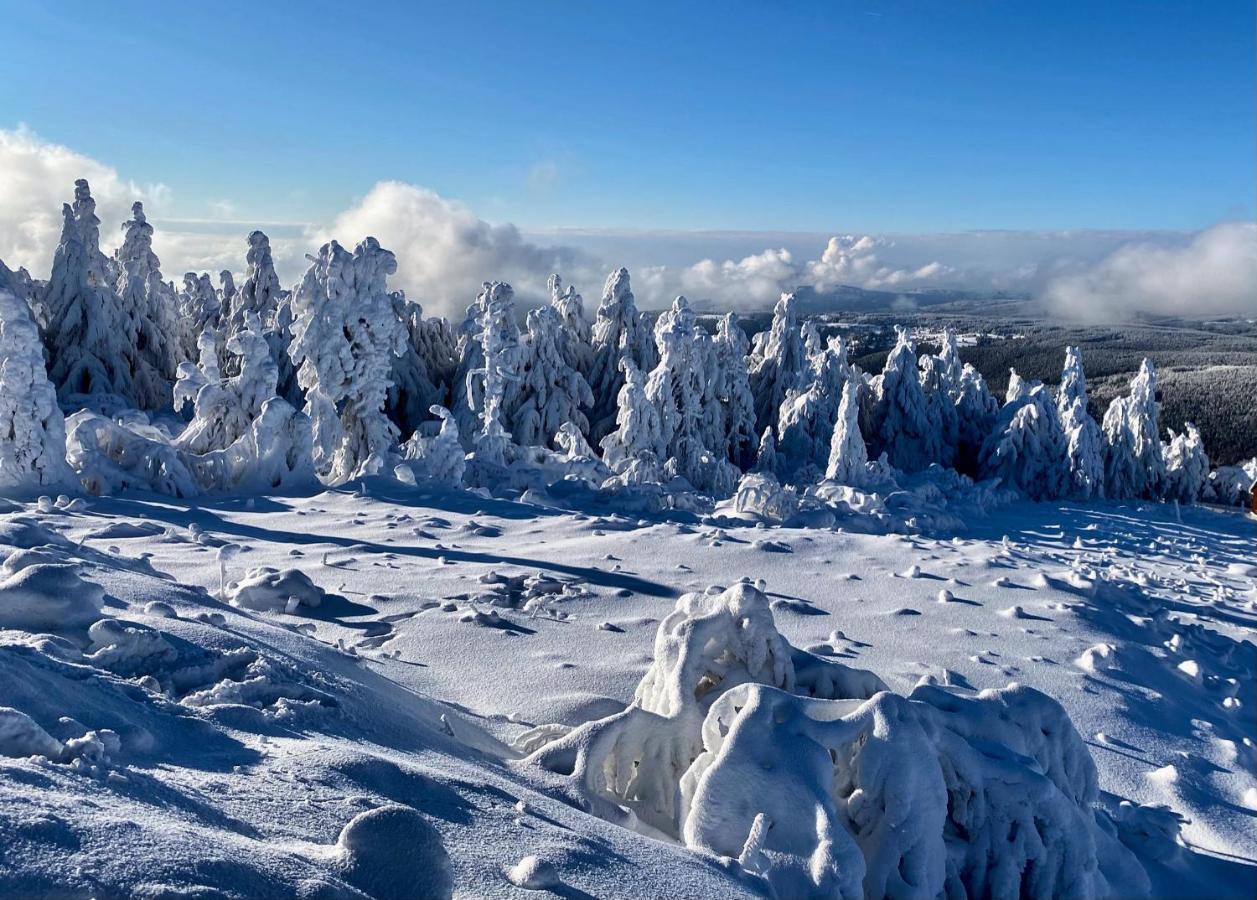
(833, 786)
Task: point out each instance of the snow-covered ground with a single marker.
(347, 722)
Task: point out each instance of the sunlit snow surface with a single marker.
(354, 734)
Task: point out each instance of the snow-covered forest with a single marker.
(304, 592)
(200, 389)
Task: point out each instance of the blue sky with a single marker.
(884, 117)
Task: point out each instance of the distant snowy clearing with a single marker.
(373, 691)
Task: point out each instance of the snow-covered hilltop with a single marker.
(305, 593)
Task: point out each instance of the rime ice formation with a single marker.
(806, 420)
(260, 294)
(150, 303)
(422, 374)
(1186, 465)
(439, 457)
(905, 426)
(576, 335)
(778, 363)
(632, 451)
(848, 457)
(1133, 467)
(618, 333)
(741, 438)
(32, 428)
(500, 356)
(550, 391)
(1085, 450)
(344, 339)
(90, 340)
(1027, 448)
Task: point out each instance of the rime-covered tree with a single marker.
(806, 419)
(1133, 465)
(21, 285)
(576, 334)
(906, 426)
(550, 391)
(848, 456)
(766, 459)
(940, 376)
(731, 346)
(498, 337)
(780, 363)
(32, 429)
(226, 290)
(423, 373)
(1027, 449)
(155, 327)
(224, 409)
(345, 336)
(618, 332)
(976, 411)
(468, 391)
(200, 308)
(439, 457)
(636, 444)
(677, 387)
(1186, 465)
(89, 335)
(261, 293)
(1084, 443)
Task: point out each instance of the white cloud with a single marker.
(1215, 273)
(37, 177)
(444, 251)
(852, 260)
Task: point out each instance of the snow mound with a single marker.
(394, 853)
(269, 589)
(534, 874)
(20, 735)
(46, 596)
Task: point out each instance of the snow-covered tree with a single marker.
(261, 293)
(805, 423)
(1186, 465)
(1084, 443)
(906, 427)
(940, 376)
(155, 328)
(637, 443)
(32, 429)
(439, 457)
(550, 391)
(200, 308)
(576, 333)
(89, 334)
(423, 373)
(677, 387)
(848, 456)
(780, 363)
(1027, 449)
(618, 332)
(766, 460)
(345, 336)
(21, 285)
(224, 409)
(498, 337)
(226, 290)
(738, 402)
(1133, 465)
(976, 410)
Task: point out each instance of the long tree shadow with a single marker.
(210, 521)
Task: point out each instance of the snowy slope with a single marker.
(245, 740)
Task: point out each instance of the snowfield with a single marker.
(378, 690)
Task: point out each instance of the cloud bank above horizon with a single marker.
(445, 250)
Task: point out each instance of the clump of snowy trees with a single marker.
(341, 377)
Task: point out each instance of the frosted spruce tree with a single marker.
(498, 338)
(200, 308)
(677, 387)
(906, 426)
(741, 440)
(940, 376)
(32, 429)
(439, 458)
(805, 423)
(422, 374)
(226, 290)
(779, 365)
(976, 411)
(550, 391)
(1084, 443)
(766, 459)
(345, 336)
(1186, 465)
(1027, 449)
(21, 285)
(1133, 465)
(89, 335)
(848, 456)
(261, 293)
(224, 409)
(155, 328)
(632, 451)
(618, 332)
(576, 333)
